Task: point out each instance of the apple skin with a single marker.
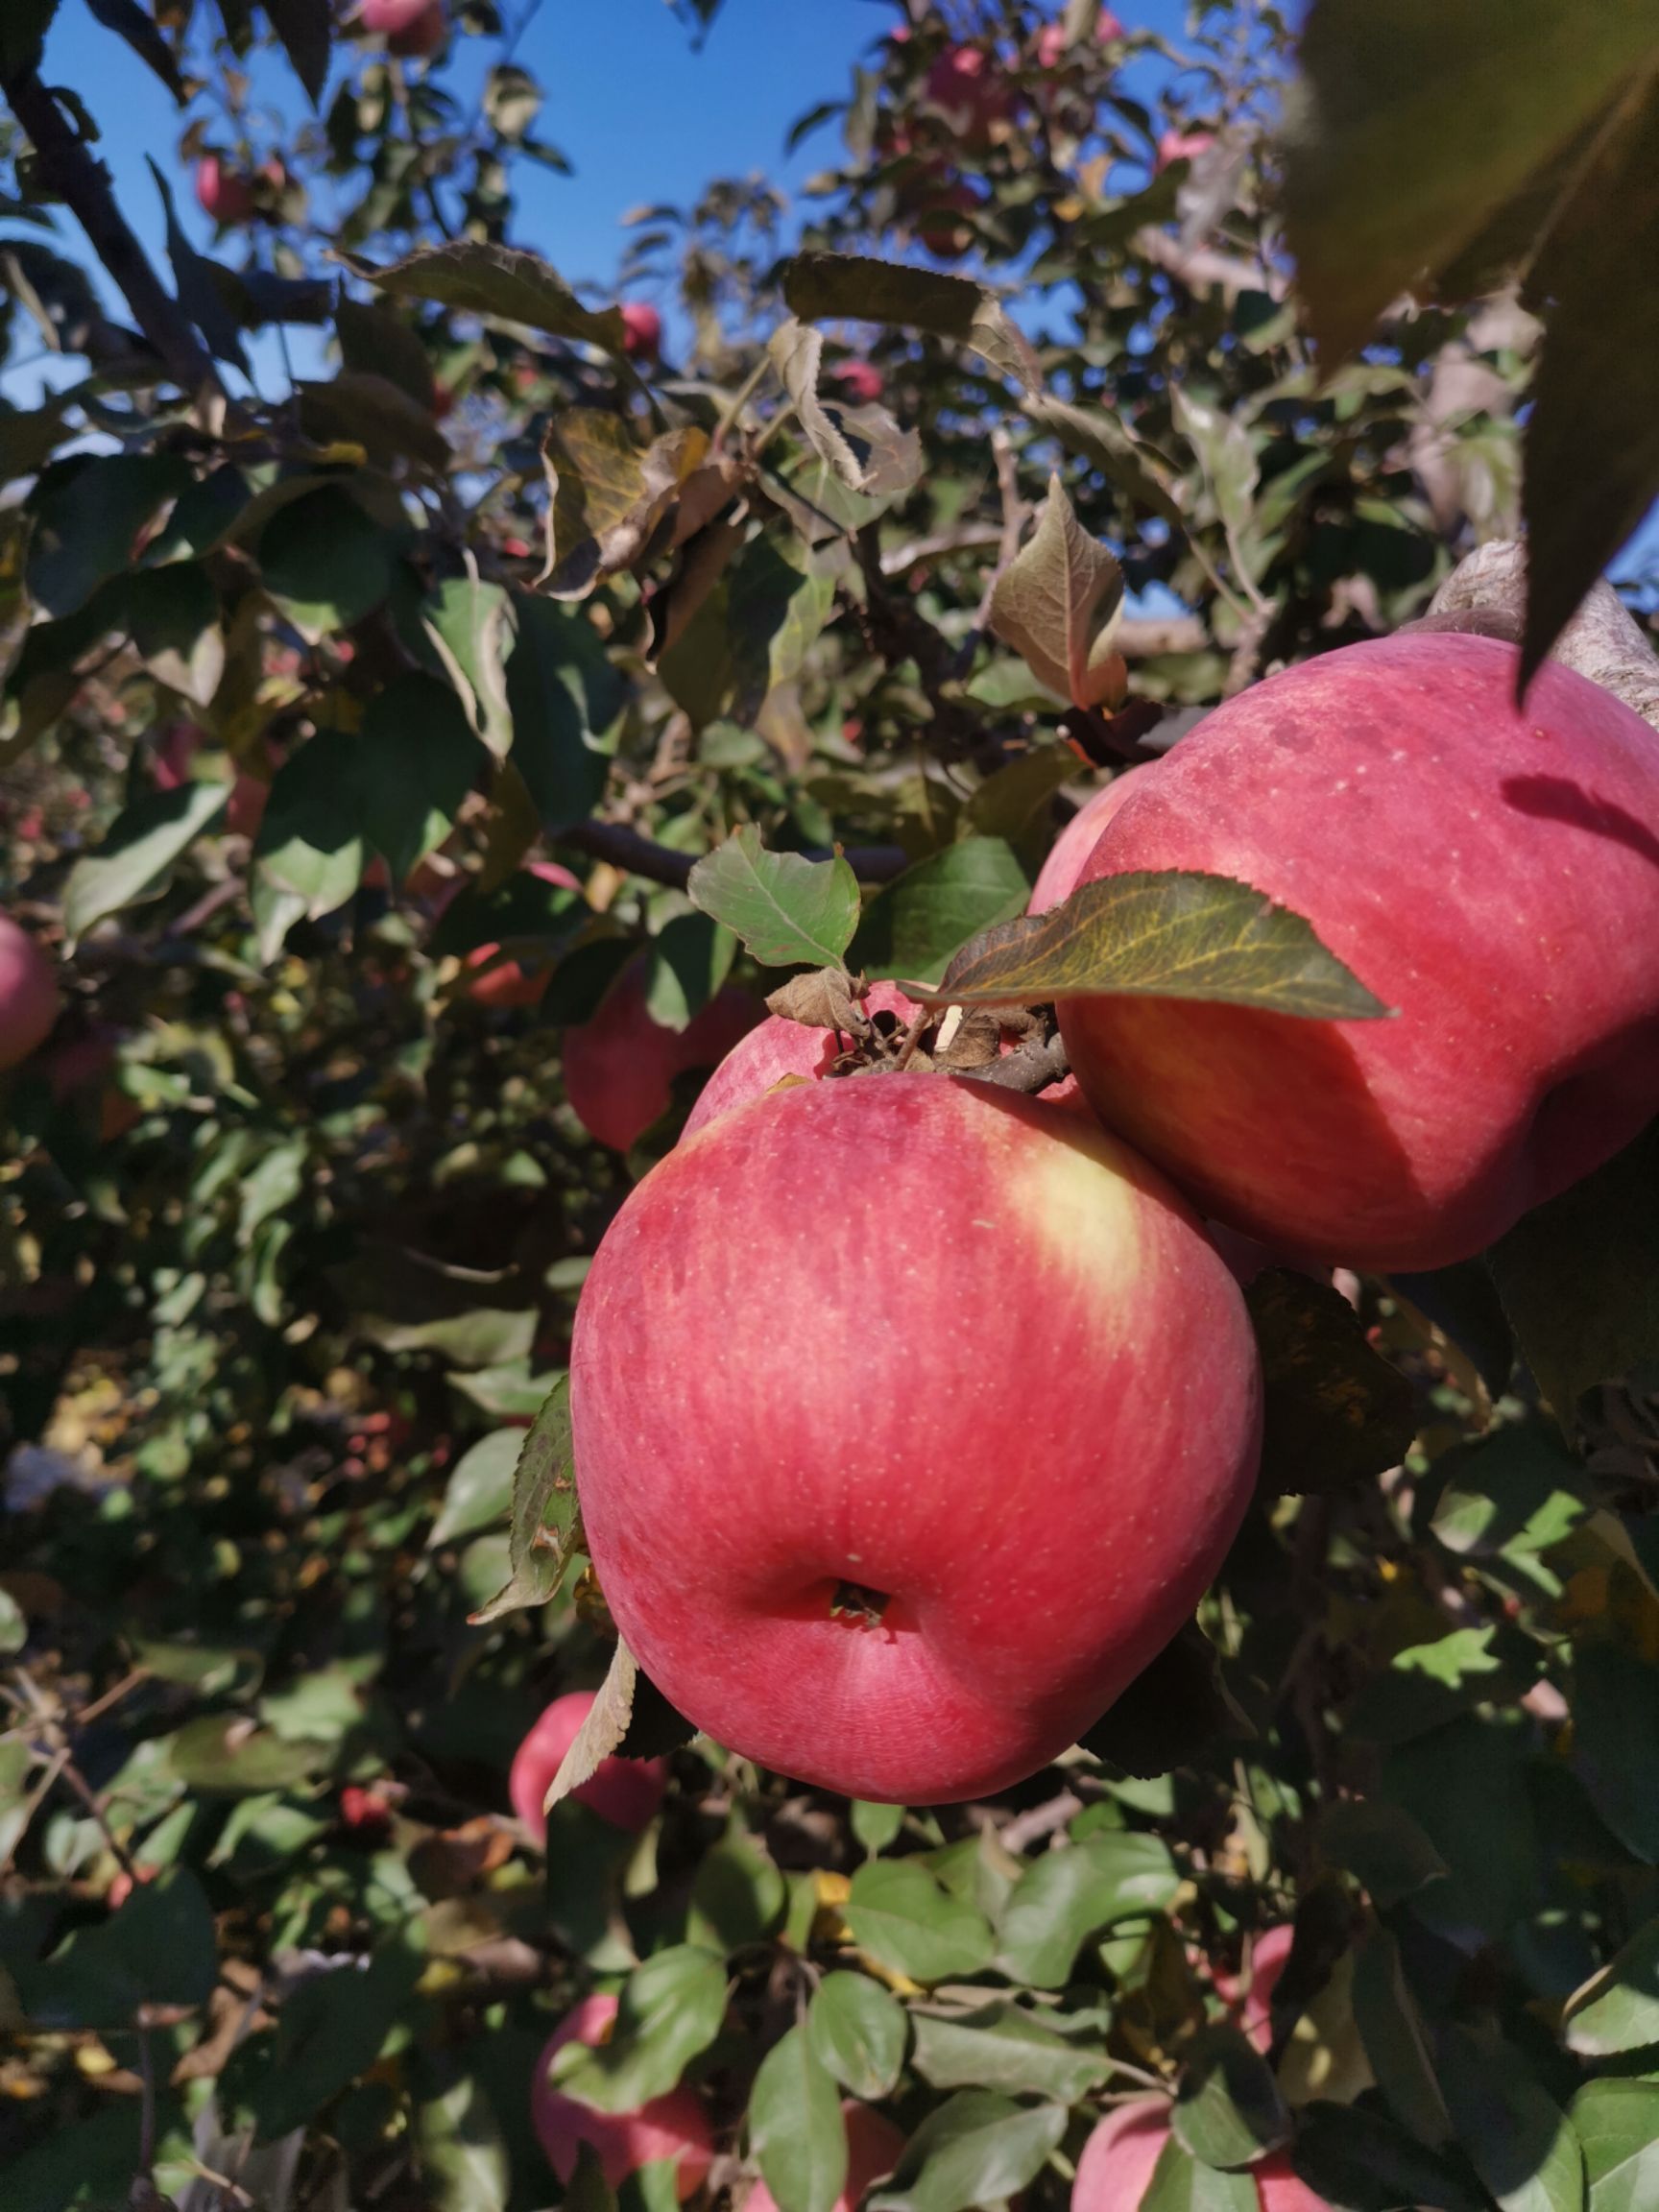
(1493, 876)
(625, 1792)
(819, 1284)
(1115, 2169)
(619, 1068)
(412, 29)
(668, 2126)
(1059, 874)
(874, 2149)
(509, 983)
(859, 382)
(1180, 146)
(641, 331)
(964, 86)
(29, 995)
(223, 193)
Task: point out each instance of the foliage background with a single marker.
(292, 1227)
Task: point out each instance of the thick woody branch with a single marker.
(1030, 1066)
(1487, 594)
(69, 169)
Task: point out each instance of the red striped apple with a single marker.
(619, 1068)
(1491, 875)
(1115, 2169)
(961, 1406)
(625, 1792)
(874, 2149)
(669, 2126)
(1058, 877)
(28, 994)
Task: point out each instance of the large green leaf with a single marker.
(419, 761)
(912, 928)
(1170, 934)
(503, 281)
(139, 852)
(786, 909)
(835, 287)
(1004, 2047)
(1072, 1895)
(795, 2126)
(87, 512)
(1518, 2139)
(547, 1527)
(325, 563)
(566, 699)
(859, 2034)
(1228, 2110)
(900, 1915)
(670, 2010)
(979, 2148)
(1618, 2124)
(1619, 2008)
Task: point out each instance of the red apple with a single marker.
(965, 86)
(940, 204)
(177, 746)
(1115, 2169)
(1182, 146)
(934, 1546)
(625, 1792)
(411, 28)
(860, 381)
(1492, 875)
(619, 1068)
(641, 331)
(223, 193)
(874, 2149)
(28, 994)
(1058, 875)
(668, 2127)
(511, 983)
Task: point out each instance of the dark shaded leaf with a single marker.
(419, 760)
(503, 281)
(836, 288)
(1171, 1710)
(916, 922)
(129, 22)
(547, 1527)
(304, 28)
(1517, 2137)
(1228, 2110)
(1619, 2008)
(1336, 1413)
(566, 699)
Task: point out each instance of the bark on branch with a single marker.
(626, 848)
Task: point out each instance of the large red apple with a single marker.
(1059, 874)
(625, 1792)
(962, 1408)
(28, 994)
(1115, 2169)
(668, 2127)
(874, 2149)
(619, 1068)
(222, 192)
(1492, 875)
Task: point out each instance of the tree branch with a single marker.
(69, 169)
(626, 848)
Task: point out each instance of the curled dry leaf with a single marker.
(1058, 604)
(824, 999)
(608, 495)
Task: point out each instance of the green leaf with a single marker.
(1072, 1895)
(1228, 2110)
(1361, 2161)
(900, 1915)
(87, 514)
(160, 1948)
(1003, 2047)
(361, 407)
(1393, 2032)
(139, 852)
(737, 1895)
(173, 614)
(979, 2149)
(324, 562)
(785, 908)
(546, 1531)
(466, 622)
(1383, 1845)
(1618, 2124)
(1057, 604)
(1592, 472)
(566, 699)
(1010, 801)
(864, 446)
(795, 2126)
(876, 1825)
(1334, 1412)
(1412, 124)
(859, 2032)
(1183, 2183)
(219, 1753)
(1226, 456)
(1616, 1742)
(1617, 2010)
(836, 287)
(419, 763)
(1466, 1786)
(303, 26)
(912, 928)
(1579, 1278)
(671, 2009)
(330, 2030)
(1518, 2139)
(479, 1494)
(501, 281)
(464, 2163)
(375, 341)
(14, 1630)
(1515, 1494)
(1169, 935)
(309, 850)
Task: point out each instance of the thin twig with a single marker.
(626, 848)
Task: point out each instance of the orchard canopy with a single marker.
(828, 1106)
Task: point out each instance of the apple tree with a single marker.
(500, 782)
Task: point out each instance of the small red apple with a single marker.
(860, 381)
(364, 1812)
(619, 1068)
(641, 331)
(28, 994)
(1182, 146)
(669, 2126)
(223, 193)
(966, 90)
(939, 226)
(1492, 875)
(411, 28)
(175, 749)
(512, 983)
(625, 1792)
(937, 1547)
(874, 2149)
